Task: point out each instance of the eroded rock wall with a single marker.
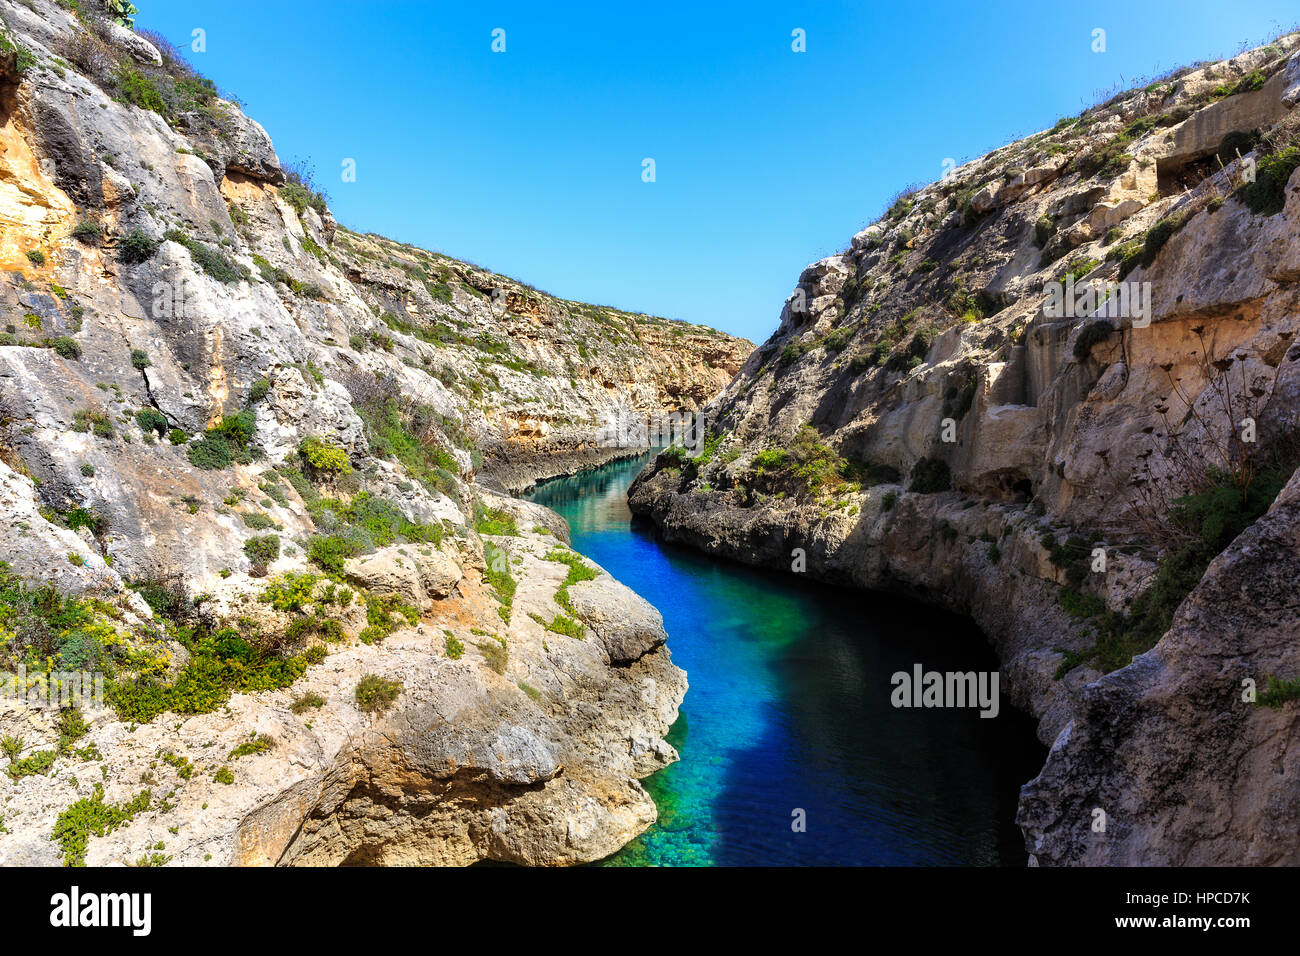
(182, 322)
(923, 420)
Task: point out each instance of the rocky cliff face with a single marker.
(1051, 391)
(247, 463)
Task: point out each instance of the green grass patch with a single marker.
(375, 694)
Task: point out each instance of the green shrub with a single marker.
(261, 551)
(258, 745)
(498, 577)
(930, 476)
(137, 246)
(72, 724)
(37, 764)
(139, 90)
(1278, 692)
(375, 694)
(1159, 234)
(403, 433)
(918, 346)
(1044, 227)
(579, 570)
(1111, 159)
(561, 624)
(385, 613)
(178, 436)
(1078, 269)
(228, 441)
(1080, 606)
(92, 420)
(371, 520)
(289, 591)
(771, 459)
(1252, 81)
(66, 346)
(258, 390)
(88, 231)
(139, 359)
(299, 197)
(221, 663)
(453, 647)
(324, 457)
(1129, 256)
(494, 521)
(256, 520)
(151, 420)
(211, 261)
(1266, 196)
(1216, 515)
(36, 257)
(805, 467)
(93, 817)
(331, 551)
(210, 452)
(239, 430)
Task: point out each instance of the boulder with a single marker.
(627, 624)
(418, 574)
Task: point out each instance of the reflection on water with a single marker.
(789, 710)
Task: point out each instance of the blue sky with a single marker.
(529, 162)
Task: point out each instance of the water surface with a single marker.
(789, 709)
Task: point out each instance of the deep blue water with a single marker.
(789, 709)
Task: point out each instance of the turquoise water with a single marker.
(789, 710)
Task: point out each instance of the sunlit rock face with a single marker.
(208, 389)
(995, 399)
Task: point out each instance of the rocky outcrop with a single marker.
(1153, 741)
(253, 456)
(571, 377)
(417, 575)
(494, 751)
(926, 419)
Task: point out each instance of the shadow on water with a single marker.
(789, 715)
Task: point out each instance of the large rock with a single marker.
(419, 574)
(627, 624)
(1152, 741)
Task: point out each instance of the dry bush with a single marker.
(90, 55)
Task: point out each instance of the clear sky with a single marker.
(529, 162)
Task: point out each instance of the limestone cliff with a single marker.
(975, 403)
(243, 463)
